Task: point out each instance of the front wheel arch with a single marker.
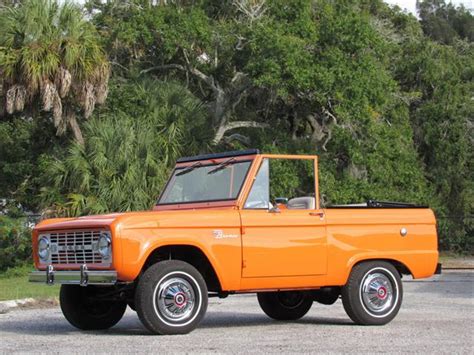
(190, 254)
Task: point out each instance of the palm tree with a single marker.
(129, 150)
(51, 59)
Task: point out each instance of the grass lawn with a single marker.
(453, 261)
(14, 285)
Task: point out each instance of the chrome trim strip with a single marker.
(107, 277)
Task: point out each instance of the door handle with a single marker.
(317, 214)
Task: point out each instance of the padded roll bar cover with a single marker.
(302, 203)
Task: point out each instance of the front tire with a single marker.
(373, 294)
(285, 305)
(171, 298)
(84, 309)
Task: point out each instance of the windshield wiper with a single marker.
(221, 166)
(189, 169)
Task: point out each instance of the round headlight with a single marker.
(104, 245)
(43, 248)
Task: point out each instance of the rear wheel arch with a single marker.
(400, 266)
(191, 254)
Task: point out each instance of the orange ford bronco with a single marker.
(230, 223)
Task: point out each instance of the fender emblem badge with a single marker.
(219, 234)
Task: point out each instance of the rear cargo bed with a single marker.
(378, 204)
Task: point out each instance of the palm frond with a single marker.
(128, 155)
(46, 47)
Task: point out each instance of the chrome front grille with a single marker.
(75, 247)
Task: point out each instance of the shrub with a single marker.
(15, 242)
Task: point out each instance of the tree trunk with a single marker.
(76, 130)
(233, 125)
(225, 99)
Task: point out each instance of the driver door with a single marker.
(288, 240)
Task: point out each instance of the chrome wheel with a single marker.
(378, 292)
(171, 297)
(373, 293)
(177, 299)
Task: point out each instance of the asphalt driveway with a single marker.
(437, 316)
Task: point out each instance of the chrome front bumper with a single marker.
(81, 277)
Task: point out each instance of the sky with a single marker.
(410, 5)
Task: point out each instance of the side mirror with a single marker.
(281, 200)
(274, 209)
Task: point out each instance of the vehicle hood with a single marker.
(144, 219)
(104, 220)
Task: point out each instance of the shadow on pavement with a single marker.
(130, 325)
(231, 319)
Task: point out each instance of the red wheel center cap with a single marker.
(180, 299)
(382, 292)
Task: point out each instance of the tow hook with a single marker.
(50, 275)
(84, 275)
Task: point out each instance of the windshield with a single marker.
(201, 182)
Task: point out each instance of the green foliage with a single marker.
(442, 120)
(138, 32)
(17, 271)
(42, 36)
(291, 178)
(383, 98)
(128, 153)
(15, 242)
(22, 143)
(444, 22)
(340, 65)
(14, 150)
(51, 60)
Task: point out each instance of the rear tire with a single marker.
(373, 294)
(171, 298)
(287, 305)
(85, 310)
